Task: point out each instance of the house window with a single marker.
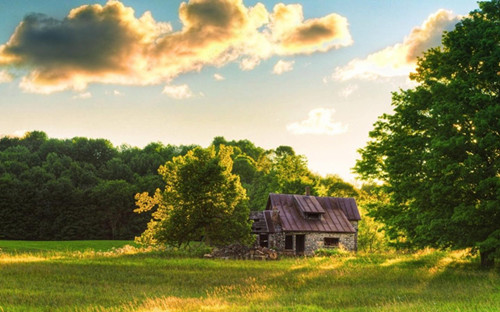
(264, 240)
(289, 242)
(331, 242)
(313, 216)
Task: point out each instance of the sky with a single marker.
(314, 75)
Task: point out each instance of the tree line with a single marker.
(81, 188)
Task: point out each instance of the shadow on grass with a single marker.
(133, 282)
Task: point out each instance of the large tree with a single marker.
(439, 152)
(202, 199)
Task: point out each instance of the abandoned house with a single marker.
(301, 224)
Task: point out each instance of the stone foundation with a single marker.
(313, 241)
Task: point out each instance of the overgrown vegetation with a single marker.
(89, 278)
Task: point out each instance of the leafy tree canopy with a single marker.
(439, 152)
(202, 198)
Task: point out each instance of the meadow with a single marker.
(119, 276)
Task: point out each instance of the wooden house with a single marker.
(301, 224)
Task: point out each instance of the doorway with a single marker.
(300, 244)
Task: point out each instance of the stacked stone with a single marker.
(236, 251)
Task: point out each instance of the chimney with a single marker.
(308, 190)
(275, 215)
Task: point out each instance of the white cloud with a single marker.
(283, 66)
(5, 76)
(401, 58)
(249, 63)
(219, 77)
(85, 95)
(347, 91)
(320, 121)
(178, 92)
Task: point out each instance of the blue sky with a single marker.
(314, 75)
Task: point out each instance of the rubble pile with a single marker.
(236, 251)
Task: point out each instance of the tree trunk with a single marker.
(486, 261)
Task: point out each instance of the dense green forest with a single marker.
(80, 188)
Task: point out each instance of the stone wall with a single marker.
(313, 241)
(316, 241)
(355, 226)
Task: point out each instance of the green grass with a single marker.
(59, 276)
(51, 246)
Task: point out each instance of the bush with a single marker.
(331, 252)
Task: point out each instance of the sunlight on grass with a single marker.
(21, 258)
(390, 262)
(249, 289)
(174, 304)
(126, 278)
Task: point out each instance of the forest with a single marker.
(82, 188)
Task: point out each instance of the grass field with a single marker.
(105, 276)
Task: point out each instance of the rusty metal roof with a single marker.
(337, 213)
(308, 204)
(262, 222)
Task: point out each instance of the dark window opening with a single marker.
(289, 242)
(331, 242)
(264, 240)
(313, 216)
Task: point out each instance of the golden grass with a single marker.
(133, 279)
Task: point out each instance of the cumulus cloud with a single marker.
(400, 59)
(249, 63)
(218, 77)
(109, 44)
(347, 91)
(282, 67)
(85, 95)
(319, 121)
(5, 76)
(291, 34)
(178, 92)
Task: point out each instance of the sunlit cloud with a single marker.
(219, 77)
(401, 58)
(292, 34)
(319, 121)
(249, 63)
(178, 92)
(85, 95)
(347, 91)
(109, 44)
(5, 76)
(282, 67)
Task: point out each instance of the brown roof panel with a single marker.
(308, 204)
(332, 209)
(349, 207)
